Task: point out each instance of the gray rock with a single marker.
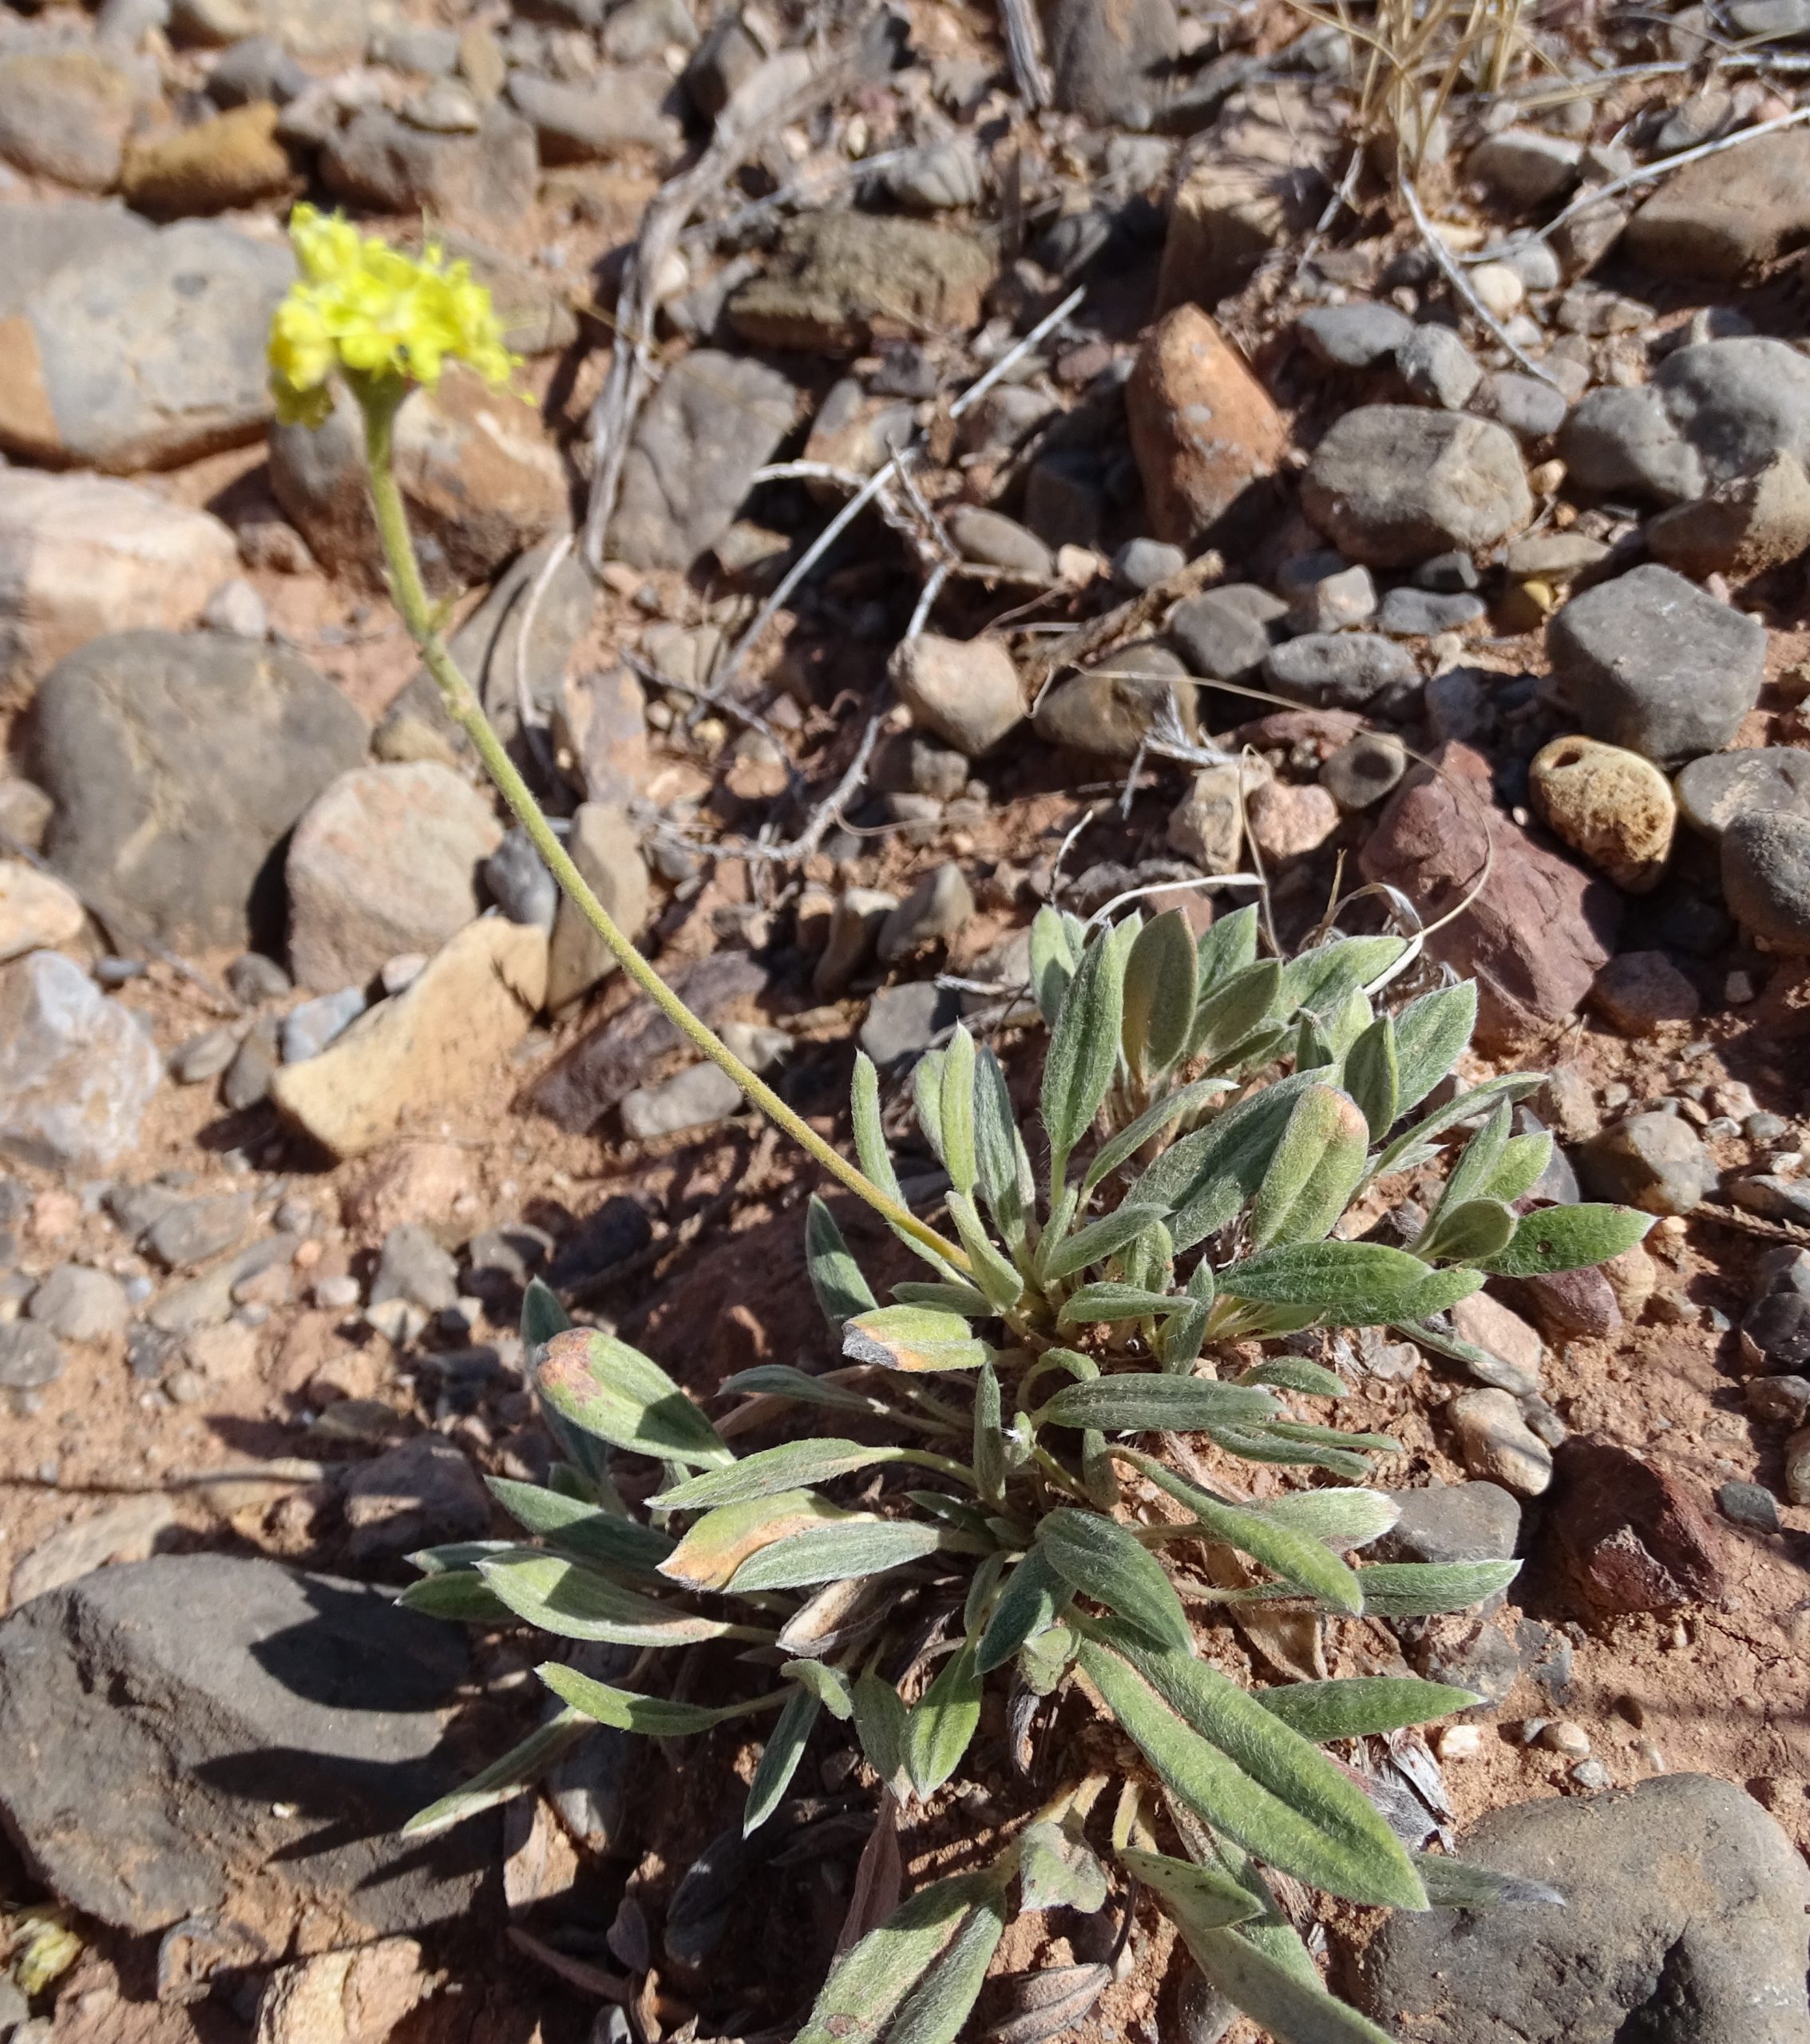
(1772, 1198)
(904, 1021)
(1495, 1440)
(726, 58)
(40, 236)
(384, 862)
(517, 880)
(1682, 1918)
(255, 979)
(30, 1356)
(966, 692)
(643, 29)
(413, 1497)
(1529, 408)
(1782, 1400)
(1620, 439)
(76, 1070)
(1654, 1161)
(1473, 1522)
(151, 357)
(938, 909)
(1354, 336)
(623, 108)
(77, 1303)
(837, 279)
(1223, 634)
(937, 177)
(997, 541)
(714, 421)
(1141, 688)
(205, 1056)
(1525, 166)
(855, 924)
(1141, 563)
(430, 52)
(256, 67)
(379, 160)
(1436, 365)
(178, 764)
(606, 848)
(1750, 1505)
(311, 1025)
(1722, 215)
(1651, 662)
(1363, 769)
(1341, 669)
(66, 108)
(1390, 485)
(1722, 785)
(1408, 613)
(1108, 61)
(413, 1266)
(187, 1233)
(1766, 876)
(1329, 602)
(698, 1097)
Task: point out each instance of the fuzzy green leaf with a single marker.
(880, 1721)
(943, 1721)
(1114, 1302)
(460, 1595)
(1298, 1558)
(607, 1390)
(782, 1380)
(1055, 951)
(1343, 1518)
(1314, 1171)
(870, 1139)
(1275, 1996)
(1193, 1898)
(1004, 1166)
(1055, 1871)
(1372, 1076)
(575, 1602)
(989, 1438)
(1295, 1373)
(1416, 1143)
(829, 1685)
(779, 1759)
(1028, 1604)
(1320, 980)
(960, 1158)
(1355, 1279)
(505, 1778)
(1425, 1590)
(656, 1717)
(1236, 1008)
(1159, 1116)
(965, 1301)
(1160, 975)
(1102, 1559)
(581, 1529)
(835, 1277)
(1083, 1050)
(1471, 1233)
(1134, 1401)
(996, 1277)
(717, 1544)
(867, 1983)
(1240, 1769)
(1461, 1884)
(830, 1554)
(1227, 946)
(927, 1098)
(914, 1338)
(936, 2010)
(1554, 1238)
(1524, 1160)
(1205, 1179)
(1266, 1445)
(542, 1316)
(1099, 1240)
(1430, 1036)
(795, 1465)
(1361, 1705)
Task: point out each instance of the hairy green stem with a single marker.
(379, 404)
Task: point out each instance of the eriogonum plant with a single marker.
(1028, 1457)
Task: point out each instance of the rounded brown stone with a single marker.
(1614, 807)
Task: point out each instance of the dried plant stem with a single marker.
(463, 707)
(1455, 276)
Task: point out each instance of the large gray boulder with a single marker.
(178, 763)
(1683, 1923)
(198, 1728)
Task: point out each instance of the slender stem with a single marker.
(380, 405)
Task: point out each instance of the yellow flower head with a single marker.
(363, 307)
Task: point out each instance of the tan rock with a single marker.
(606, 848)
(1287, 821)
(233, 159)
(1634, 1278)
(1488, 1323)
(37, 912)
(1739, 527)
(964, 691)
(428, 1047)
(1206, 825)
(122, 1532)
(1613, 806)
(1495, 1442)
(1724, 214)
(84, 554)
(1202, 427)
(64, 113)
(352, 1997)
(428, 1182)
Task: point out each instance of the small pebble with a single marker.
(1589, 1774)
(336, 1294)
(1460, 1742)
(1563, 1736)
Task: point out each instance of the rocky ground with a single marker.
(1398, 495)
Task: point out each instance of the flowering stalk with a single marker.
(386, 322)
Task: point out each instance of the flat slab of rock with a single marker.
(384, 862)
(152, 357)
(430, 1046)
(714, 421)
(486, 178)
(177, 763)
(83, 555)
(1728, 213)
(837, 281)
(76, 1070)
(159, 1717)
(1713, 790)
(1540, 929)
(1683, 1917)
(1392, 485)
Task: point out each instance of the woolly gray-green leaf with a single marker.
(996, 1275)
(927, 1098)
(626, 1710)
(1055, 1871)
(1425, 1590)
(795, 1465)
(880, 1721)
(1430, 1036)
(1554, 1238)
(1160, 1114)
(989, 1438)
(1193, 1898)
(1295, 1373)
(943, 1721)
(1461, 1884)
(1134, 1400)
(1321, 980)
(1055, 951)
(829, 1685)
(1160, 975)
(581, 1529)
(1346, 1518)
(1083, 1050)
(936, 2010)
(1361, 1705)
(1108, 1302)
(460, 1595)
(960, 1158)
(1236, 1008)
(835, 1277)
(1276, 1997)
(1227, 946)
(606, 1388)
(505, 1778)
(782, 1380)
(1205, 1178)
(542, 1316)
(1028, 1604)
(1240, 1769)
(1099, 1240)
(1416, 1143)
(1523, 1164)
(779, 1759)
(1372, 1076)
(829, 1554)
(867, 1983)
(1313, 1172)
(1354, 1279)
(575, 1602)
(1102, 1559)
(870, 1140)
(1298, 1558)
(1005, 1180)
(914, 1338)
(1470, 1233)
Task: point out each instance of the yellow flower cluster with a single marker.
(365, 308)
